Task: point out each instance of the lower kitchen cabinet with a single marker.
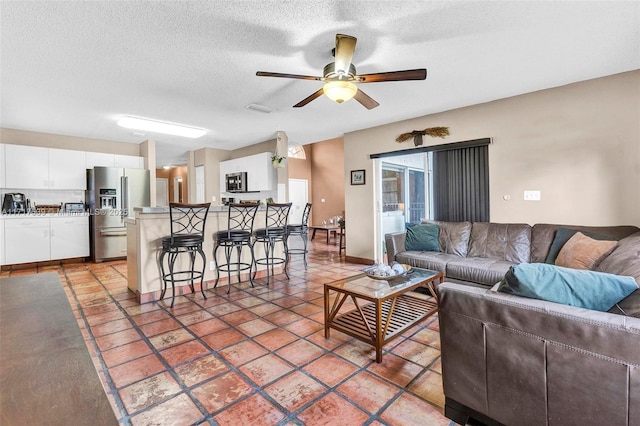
(36, 239)
(26, 240)
(69, 237)
(2, 262)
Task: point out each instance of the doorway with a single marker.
(403, 193)
(162, 192)
(177, 189)
(298, 197)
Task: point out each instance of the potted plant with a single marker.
(278, 161)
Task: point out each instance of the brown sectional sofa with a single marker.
(481, 253)
(510, 360)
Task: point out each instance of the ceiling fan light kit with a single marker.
(340, 91)
(340, 77)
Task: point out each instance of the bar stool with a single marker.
(301, 229)
(238, 234)
(187, 235)
(275, 230)
(343, 239)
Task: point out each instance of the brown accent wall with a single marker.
(327, 169)
(173, 173)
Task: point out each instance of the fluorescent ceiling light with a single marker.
(160, 127)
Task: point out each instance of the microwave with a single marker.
(236, 182)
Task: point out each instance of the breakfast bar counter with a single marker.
(144, 244)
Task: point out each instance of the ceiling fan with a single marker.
(339, 76)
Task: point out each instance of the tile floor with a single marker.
(256, 356)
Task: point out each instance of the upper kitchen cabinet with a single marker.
(101, 159)
(66, 169)
(27, 167)
(260, 173)
(32, 167)
(128, 161)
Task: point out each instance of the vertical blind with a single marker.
(461, 184)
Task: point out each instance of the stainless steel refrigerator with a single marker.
(112, 193)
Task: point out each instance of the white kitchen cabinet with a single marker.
(27, 167)
(69, 237)
(34, 167)
(99, 159)
(128, 161)
(67, 169)
(2, 167)
(2, 262)
(260, 172)
(26, 240)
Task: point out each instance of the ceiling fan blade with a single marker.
(417, 74)
(309, 98)
(345, 46)
(298, 76)
(367, 101)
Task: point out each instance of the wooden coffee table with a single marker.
(383, 309)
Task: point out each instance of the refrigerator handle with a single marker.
(124, 190)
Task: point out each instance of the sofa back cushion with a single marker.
(510, 242)
(453, 237)
(543, 234)
(624, 259)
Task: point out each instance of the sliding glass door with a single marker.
(402, 193)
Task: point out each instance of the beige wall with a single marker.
(50, 140)
(578, 144)
(327, 159)
(209, 158)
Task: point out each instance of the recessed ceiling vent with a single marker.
(260, 108)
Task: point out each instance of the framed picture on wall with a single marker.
(357, 177)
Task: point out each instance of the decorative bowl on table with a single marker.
(380, 271)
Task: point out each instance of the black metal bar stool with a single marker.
(301, 229)
(237, 235)
(275, 230)
(187, 235)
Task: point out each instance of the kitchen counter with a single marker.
(144, 244)
(37, 215)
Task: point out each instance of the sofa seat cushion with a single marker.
(478, 269)
(432, 260)
(510, 242)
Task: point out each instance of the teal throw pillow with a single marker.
(422, 237)
(562, 236)
(581, 288)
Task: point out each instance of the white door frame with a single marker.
(295, 216)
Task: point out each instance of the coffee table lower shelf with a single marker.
(407, 312)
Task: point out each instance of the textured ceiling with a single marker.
(75, 67)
